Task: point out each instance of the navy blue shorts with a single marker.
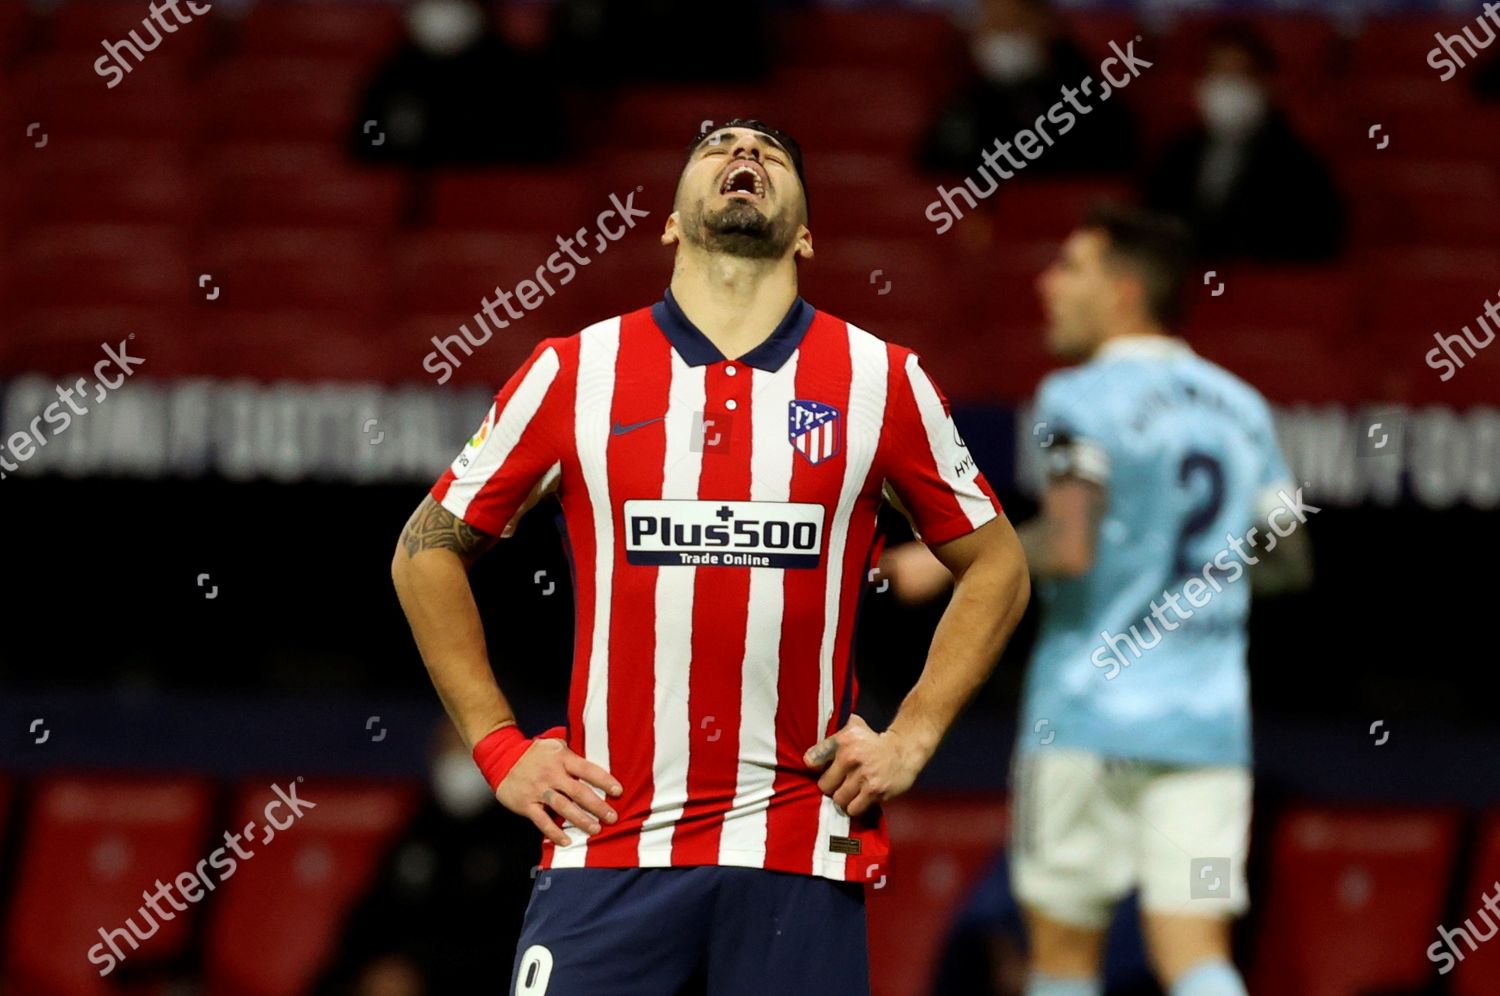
(698, 931)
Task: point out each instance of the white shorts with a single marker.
(1086, 830)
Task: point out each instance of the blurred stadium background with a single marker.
(284, 202)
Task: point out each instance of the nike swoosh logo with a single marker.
(619, 429)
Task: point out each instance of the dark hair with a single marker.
(1243, 35)
(1158, 248)
(781, 138)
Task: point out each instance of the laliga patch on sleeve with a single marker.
(470, 453)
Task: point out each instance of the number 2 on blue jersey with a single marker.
(1197, 464)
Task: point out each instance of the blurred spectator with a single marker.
(457, 92)
(1019, 61)
(1245, 182)
(1486, 78)
(664, 41)
(445, 907)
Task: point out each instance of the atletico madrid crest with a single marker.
(815, 430)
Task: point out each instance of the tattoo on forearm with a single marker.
(433, 527)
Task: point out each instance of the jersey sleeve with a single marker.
(1074, 442)
(515, 458)
(930, 475)
(1275, 475)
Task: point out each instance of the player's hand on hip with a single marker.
(862, 768)
(550, 779)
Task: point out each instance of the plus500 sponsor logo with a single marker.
(691, 533)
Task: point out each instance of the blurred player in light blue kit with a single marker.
(1166, 499)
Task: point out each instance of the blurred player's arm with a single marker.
(1285, 560)
(990, 592)
(1058, 542)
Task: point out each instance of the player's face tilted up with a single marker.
(741, 195)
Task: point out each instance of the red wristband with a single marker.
(499, 750)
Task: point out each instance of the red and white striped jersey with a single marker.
(720, 518)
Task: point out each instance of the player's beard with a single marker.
(740, 228)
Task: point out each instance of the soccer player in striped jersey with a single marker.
(713, 807)
(1165, 487)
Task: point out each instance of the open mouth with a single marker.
(744, 178)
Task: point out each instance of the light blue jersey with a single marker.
(1143, 656)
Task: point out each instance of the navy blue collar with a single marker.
(696, 350)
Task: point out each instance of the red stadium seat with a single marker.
(881, 107)
(632, 274)
(669, 116)
(70, 102)
(871, 281)
(406, 347)
(92, 846)
(1479, 972)
(888, 36)
(15, 19)
(302, 28)
(78, 28)
(1095, 28)
(1354, 900)
(1305, 44)
(1319, 303)
(1410, 294)
(942, 845)
(1040, 210)
(858, 195)
(548, 202)
(101, 266)
(655, 169)
(110, 181)
(306, 269)
(64, 340)
(282, 99)
(1387, 42)
(1291, 367)
(1424, 202)
(274, 927)
(275, 345)
(306, 185)
(456, 271)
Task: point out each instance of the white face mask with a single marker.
(459, 786)
(444, 27)
(1008, 56)
(1231, 104)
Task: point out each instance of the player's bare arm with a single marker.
(991, 588)
(430, 572)
(1059, 542)
(433, 527)
(1284, 568)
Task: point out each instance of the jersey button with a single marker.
(731, 370)
(731, 404)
